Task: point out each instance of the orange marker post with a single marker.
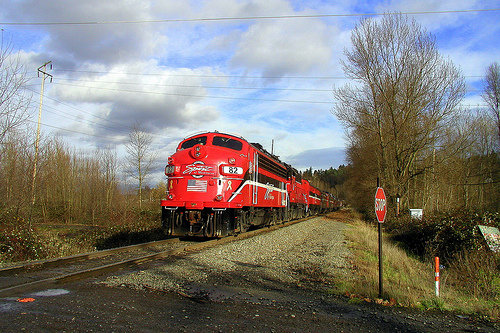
(436, 275)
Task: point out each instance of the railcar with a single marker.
(220, 184)
(315, 198)
(298, 192)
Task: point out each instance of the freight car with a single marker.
(220, 184)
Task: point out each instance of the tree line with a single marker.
(405, 125)
(70, 185)
(330, 180)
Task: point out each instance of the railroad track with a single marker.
(23, 278)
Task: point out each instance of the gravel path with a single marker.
(311, 254)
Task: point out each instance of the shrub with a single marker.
(476, 273)
(444, 235)
(19, 243)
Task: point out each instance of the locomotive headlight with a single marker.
(232, 160)
(231, 170)
(169, 169)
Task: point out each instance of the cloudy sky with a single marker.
(263, 69)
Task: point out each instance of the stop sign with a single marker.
(380, 204)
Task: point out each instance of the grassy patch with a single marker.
(19, 243)
(470, 285)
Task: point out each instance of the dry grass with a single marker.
(407, 280)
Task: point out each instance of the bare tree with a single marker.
(108, 162)
(14, 99)
(491, 93)
(139, 157)
(403, 98)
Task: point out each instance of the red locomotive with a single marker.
(220, 184)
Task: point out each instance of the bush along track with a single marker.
(470, 275)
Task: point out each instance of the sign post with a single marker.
(380, 212)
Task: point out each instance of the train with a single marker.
(220, 184)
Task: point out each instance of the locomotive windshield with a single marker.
(194, 141)
(227, 143)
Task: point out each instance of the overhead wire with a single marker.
(156, 135)
(76, 118)
(197, 96)
(245, 18)
(208, 87)
(198, 86)
(220, 76)
(68, 130)
(78, 109)
(118, 127)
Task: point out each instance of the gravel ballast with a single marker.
(310, 254)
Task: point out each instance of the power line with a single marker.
(200, 86)
(204, 75)
(90, 122)
(245, 18)
(221, 76)
(68, 130)
(73, 117)
(79, 110)
(198, 96)
(216, 97)
(210, 87)
(63, 114)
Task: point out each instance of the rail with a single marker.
(178, 248)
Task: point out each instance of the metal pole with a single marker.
(380, 261)
(37, 140)
(380, 264)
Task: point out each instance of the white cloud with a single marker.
(285, 47)
(155, 100)
(105, 43)
(431, 21)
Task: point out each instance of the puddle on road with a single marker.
(9, 304)
(51, 292)
(4, 307)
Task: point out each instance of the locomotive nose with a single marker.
(198, 152)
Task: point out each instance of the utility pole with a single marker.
(43, 71)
